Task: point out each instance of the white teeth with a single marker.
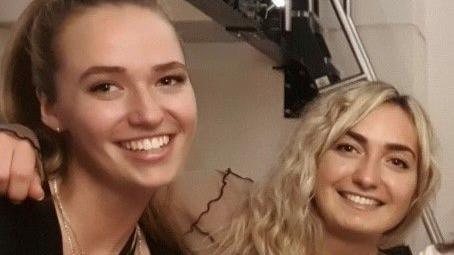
(140, 145)
(134, 146)
(361, 200)
(155, 143)
(147, 143)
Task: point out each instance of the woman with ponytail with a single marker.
(103, 85)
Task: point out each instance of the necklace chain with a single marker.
(139, 240)
(76, 248)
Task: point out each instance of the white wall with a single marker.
(240, 102)
(10, 9)
(392, 37)
(440, 93)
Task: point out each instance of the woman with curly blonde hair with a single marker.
(357, 173)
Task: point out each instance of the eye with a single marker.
(345, 147)
(105, 87)
(399, 163)
(106, 90)
(172, 80)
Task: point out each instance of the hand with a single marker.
(19, 177)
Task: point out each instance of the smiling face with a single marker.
(366, 181)
(124, 99)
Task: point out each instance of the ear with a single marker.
(48, 113)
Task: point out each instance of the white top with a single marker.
(430, 250)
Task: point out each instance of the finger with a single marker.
(22, 170)
(6, 156)
(36, 190)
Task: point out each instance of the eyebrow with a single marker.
(119, 69)
(389, 146)
(400, 147)
(169, 66)
(101, 69)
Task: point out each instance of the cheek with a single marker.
(91, 118)
(327, 174)
(188, 112)
(331, 169)
(403, 188)
(409, 192)
(184, 109)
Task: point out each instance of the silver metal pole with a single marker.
(344, 82)
(432, 228)
(354, 41)
(288, 15)
(348, 8)
(310, 5)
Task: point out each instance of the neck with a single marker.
(345, 244)
(102, 215)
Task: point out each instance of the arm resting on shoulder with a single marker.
(21, 169)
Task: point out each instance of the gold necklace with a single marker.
(74, 245)
(139, 239)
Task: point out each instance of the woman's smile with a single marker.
(149, 144)
(361, 202)
(148, 150)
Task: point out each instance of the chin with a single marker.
(155, 178)
(364, 229)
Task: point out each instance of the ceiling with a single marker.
(192, 25)
(178, 10)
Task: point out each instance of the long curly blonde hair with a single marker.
(279, 217)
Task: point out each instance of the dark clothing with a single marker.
(398, 250)
(29, 228)
(32, 228)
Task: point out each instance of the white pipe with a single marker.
(432, 228)
(288, 15)
(344, 82)
(354, 40)
(348, 8)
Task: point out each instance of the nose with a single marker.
(146, 110)
(367, 174)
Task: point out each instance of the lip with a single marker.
(342, 194)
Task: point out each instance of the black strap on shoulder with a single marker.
(398, 250)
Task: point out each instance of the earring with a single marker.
(58, 129)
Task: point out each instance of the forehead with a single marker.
(388, 124)
(117, 35)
